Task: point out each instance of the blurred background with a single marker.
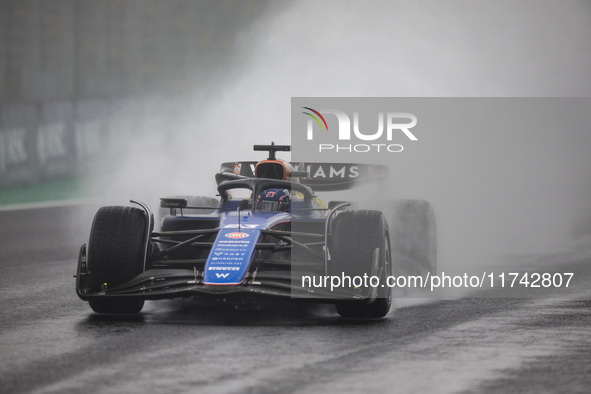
(83, 83)
(120, 99)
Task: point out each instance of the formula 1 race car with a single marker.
(267, 239)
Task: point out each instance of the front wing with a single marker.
(163, 283)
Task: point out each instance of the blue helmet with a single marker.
(274, 200)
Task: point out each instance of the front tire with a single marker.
(359, 240)
(116, 253)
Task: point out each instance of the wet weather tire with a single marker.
(116, 254)
(360, 246)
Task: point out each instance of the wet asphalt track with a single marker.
(50, 341)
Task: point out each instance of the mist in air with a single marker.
(395, 49)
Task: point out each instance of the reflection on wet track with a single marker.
(52, 342)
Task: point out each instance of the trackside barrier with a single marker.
(41, 142)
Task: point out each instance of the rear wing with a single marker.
(319, 176)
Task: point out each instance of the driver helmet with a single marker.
(274, 200)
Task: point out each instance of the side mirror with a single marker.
(173, 203)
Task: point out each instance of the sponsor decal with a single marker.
(242, 225)
(345, 171)
(230, 256)
(237, 235)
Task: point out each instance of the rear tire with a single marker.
(356, 236)
(116, 253)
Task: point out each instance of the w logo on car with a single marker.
(222, 275)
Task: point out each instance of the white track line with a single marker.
(46, 204)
